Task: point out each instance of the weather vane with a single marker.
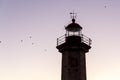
(73, 15)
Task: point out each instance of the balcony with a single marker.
(84, 39)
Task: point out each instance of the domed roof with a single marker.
(73, 27)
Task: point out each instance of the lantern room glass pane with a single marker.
(73, 33)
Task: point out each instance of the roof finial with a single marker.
(73, 16)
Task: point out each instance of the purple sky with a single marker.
(29, 29)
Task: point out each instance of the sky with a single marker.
(29, 29)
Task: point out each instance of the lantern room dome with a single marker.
(73, 27)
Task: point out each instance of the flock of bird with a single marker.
(30, 37)
(22, 40)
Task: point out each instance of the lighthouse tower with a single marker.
(73, 46)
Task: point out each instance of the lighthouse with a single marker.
(73, 45)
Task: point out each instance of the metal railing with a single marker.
(61, 40)
(84, 39)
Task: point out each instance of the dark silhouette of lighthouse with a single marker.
(73, 46)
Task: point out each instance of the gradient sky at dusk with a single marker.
(29, 29)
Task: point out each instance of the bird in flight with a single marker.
(21, 40)
(105, 6)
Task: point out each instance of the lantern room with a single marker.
(73, 29)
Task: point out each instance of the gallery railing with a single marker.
(84, 39)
